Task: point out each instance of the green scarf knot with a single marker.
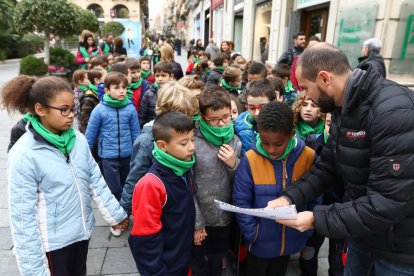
(291, 145)
(83, 87)
(145, 73)
(178, 166)
(115, 103)
(221, 68)
(228, 86)
(63, 142)
(156, 86)
(135, 85)
(303, 129)
(216, 135)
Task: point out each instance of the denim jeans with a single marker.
(362, 263)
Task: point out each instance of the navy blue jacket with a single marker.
(161, 239)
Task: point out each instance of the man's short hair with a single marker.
(261, 88)
(257, 68)
(373, 45)
(169, 122)
(214, 97)
(295, 36)
(276, 117)
(322, 57)
(163, 66)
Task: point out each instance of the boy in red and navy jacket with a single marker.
(162, 204)
(138, 85)
(146, 73)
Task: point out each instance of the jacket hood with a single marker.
(147, 128)
(243, 123)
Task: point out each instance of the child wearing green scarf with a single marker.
(163, 200)
(51, 172)
(277, 161)
(218, 151)
(114, 123)
(231, 80)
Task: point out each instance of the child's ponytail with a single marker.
(23, 92)
(15, 94)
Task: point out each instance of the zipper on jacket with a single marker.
(255, 238)
(119, 133)
(284, 179)
(80, 197)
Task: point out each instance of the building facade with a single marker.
(262, 29)
(108, 10)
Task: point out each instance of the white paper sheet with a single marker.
(287, 212)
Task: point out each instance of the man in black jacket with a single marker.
(289, 55)
(370, 53)
(370, 151)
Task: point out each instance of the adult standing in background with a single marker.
(177, 45)
(370, 53)
(190, 48)
(225, 48)
(198, 47)
(369, 156)
(107, 45)
(289, 55)
(119, 46)
(212, 49)
(86, 49)
(167, 54)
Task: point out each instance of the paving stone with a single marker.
(4, 218)
(100, 237)
(8, 265)
(96, 257)
(6, 241)
(118, 261)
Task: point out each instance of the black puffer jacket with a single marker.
(146, 111)
(377, 62)
(370, 151)
(16, 132)
(214, 77)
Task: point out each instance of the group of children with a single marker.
(166, 150)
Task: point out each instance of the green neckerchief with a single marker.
(303, 129)
(221, 68)
(289, 87)
(129, 93)
(228, 86)
(248, 119)
(135, 85)
(178, 166)
(94, 89)
(83, 87)
(291, 145)
(217, 135)
(27, 117)
(106, 48)
(145, 73)
(195, 60)
(208, 71)
(196, 117)
(85, 53)
(156, 85)
(325, 136)
(115, 103)
(109, 68)
(63, 142)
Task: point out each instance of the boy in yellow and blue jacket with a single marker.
(278, 159)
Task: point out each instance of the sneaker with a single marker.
(115, 232)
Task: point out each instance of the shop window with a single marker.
(262, 31)
(354, 25)
(403, 51)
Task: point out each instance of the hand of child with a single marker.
(199, 236)
(122, 225)
(227, 155)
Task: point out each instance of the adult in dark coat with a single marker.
(370, 53)
(370, 152)
(289, 55)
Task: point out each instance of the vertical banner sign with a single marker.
(131, 36)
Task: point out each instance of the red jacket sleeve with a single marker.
(293, 78)
(147, 201)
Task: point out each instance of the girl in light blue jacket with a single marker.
(52, 180)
